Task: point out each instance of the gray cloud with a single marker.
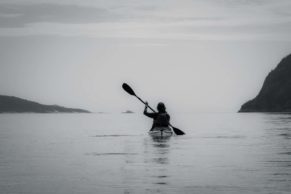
(243, 2)
(147, 19)
(17, 15)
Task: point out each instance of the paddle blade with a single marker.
(128, 89)
(178, 131)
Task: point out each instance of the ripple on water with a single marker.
(114, 135)
(285, 135)
(161, 183)
(285, 153)
(227, 137)
(110, 154)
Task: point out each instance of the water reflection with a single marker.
(147, 169)
(278, 119)
(278, 160)
(157, 150)
(161, 149)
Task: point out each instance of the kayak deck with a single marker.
(161, 132)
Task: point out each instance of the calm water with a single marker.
(112, 153)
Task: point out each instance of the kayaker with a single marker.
(161, 118)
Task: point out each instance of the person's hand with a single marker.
(146, 104)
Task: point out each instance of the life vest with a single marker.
(162, 120)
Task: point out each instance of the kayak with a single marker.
(161, 132)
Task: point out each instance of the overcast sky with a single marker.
(195, 55)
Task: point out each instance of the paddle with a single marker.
(129, 90)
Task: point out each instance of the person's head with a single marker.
(161, 107)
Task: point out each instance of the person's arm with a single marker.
(146, 113)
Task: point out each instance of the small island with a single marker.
(128, 112)
(275, 95)
(11, 104)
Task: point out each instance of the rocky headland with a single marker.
(275, 95)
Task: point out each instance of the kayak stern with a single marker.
(161, 132)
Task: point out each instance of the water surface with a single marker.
(112, 153)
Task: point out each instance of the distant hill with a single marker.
(10, 104)
(275, 95)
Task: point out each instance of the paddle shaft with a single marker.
(149, 106)
(145, 103)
